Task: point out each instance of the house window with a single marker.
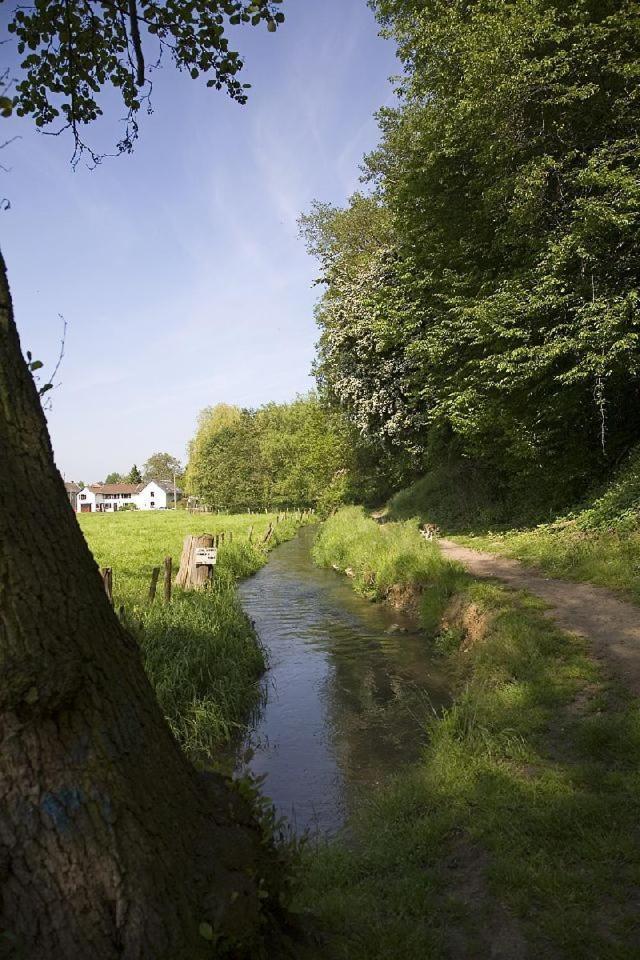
(83, 496)
(151, 493)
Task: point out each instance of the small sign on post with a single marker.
(206, 556)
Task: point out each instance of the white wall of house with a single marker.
(114, 501)
(86, 498)
(152, 497)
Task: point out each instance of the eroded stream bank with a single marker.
(346, 692)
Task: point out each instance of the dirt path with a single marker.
(612, 625)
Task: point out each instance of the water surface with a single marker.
(346, 693)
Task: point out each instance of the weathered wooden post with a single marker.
(251, 534)
(268, 533)
(155, 573)
(167, 579)
(107, 579)
(199, 556)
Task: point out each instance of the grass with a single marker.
(381, 557)
(200, 651)
(598, 542)
(517, 834)
(610, 558)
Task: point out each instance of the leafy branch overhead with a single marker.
(73, 49)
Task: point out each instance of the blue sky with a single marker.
(179, 269)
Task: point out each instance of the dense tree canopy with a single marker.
(280, 455)
(482, 302)
(162, 466)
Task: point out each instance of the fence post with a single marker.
(155, 573)
(107, 580)
(167, 579)
(251, 534)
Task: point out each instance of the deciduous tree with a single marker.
(111, 844)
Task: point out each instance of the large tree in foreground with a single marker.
(111, 843)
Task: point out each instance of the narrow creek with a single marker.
(345, 695)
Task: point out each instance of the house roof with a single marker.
(117, 487)
(71, 487)
(166, 485)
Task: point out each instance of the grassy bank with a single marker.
(516, 836)
(389, 561)
(598, 541)
(200, 650)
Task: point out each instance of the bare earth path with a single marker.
(612, 625)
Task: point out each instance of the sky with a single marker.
(179, 269)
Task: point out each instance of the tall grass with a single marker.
(514, 835)
(200, 651)
(381, 557)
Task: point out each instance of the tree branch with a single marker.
(135, 39)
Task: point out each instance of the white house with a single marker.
(109, 497)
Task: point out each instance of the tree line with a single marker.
(298, 454)
(481, 304)
(159, 466)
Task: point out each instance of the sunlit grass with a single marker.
(515, 834)
(200, 651)
(383, 556)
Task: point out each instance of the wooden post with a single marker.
(230, 536)
(155, 573)
(268, 533)
(167, 579)
(107, 579)
(251, 534)
(192, 576)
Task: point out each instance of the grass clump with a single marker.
(200, 651)
(513, 836)
(389, 558)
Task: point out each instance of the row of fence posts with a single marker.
(218, 538)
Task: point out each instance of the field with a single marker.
(200, 651)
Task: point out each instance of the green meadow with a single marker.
(200, 651)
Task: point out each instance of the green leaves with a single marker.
(485, 298)
(70, 51)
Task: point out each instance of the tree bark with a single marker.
(111, 843)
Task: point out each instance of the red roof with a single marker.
(117, 487)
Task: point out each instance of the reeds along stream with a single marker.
(348, 691)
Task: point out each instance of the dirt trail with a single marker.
(612, 625)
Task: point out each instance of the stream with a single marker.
(347, 691)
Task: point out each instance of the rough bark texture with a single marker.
(111, 843)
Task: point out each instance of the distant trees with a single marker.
(162, 466)
(134, 475)
(482, 304)
(296, 454)
(114, 477)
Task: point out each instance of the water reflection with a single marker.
(345, 698)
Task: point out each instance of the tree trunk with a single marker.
(111, 843)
